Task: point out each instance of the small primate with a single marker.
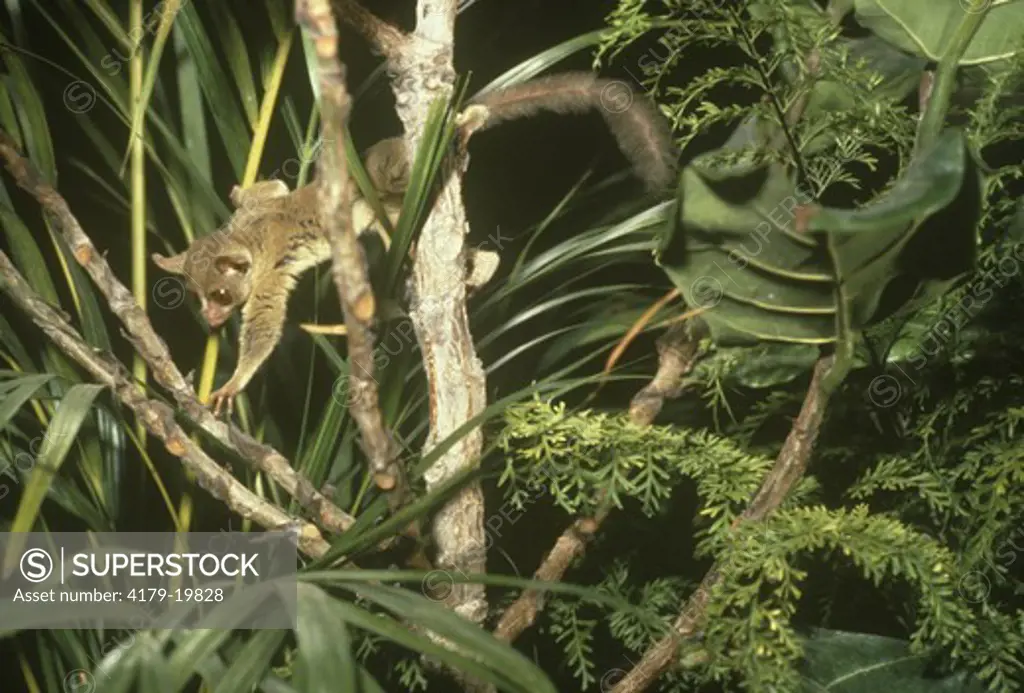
(256, 258)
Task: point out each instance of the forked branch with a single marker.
(157, 417)
(678, 349)
(154, 351)
(789, 467)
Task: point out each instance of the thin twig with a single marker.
(789, 467)
(155, 352)
(678, 350)
(348, 260)
(157, 417)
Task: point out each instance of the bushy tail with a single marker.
(642, 133)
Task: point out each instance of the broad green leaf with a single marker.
(908, 231)
(761, 366)
(736, 247)
(326, 661)
(414, 608)
(250, 664)
(16, 392)
(927, 28)
(60, 436)
(841, 662)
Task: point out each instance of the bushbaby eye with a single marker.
(220, 296)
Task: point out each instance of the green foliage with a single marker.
(913, 505)
(581, 457)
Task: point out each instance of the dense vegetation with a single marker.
(845, 243)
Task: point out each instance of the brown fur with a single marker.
(643, 134)
(255, 259)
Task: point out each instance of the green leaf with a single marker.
(193, 649)
(249, 665)
(16, 392)
(765, 365)
(27, 256)
(425, 171)
(61, 434)
(900, 74)
(35, 134)
(736, 249)
(232, 43)
(927, 28)
(841, 662)
(218, 90)
(152, 63)
(506, 662)
(325, 662)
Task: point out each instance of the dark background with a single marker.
(518, 172)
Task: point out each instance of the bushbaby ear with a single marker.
(258, 192)
(174, 264)
(233, 263)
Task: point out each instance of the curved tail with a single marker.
(642, 132)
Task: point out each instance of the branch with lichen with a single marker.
(789, 468)
(455, 375)
(157, 417)
(153, 349)
(678, 350)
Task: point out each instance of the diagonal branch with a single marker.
(155, 352)
(789, 467)
(348, 260)
(678, 350)
(157, 417)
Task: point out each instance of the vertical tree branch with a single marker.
(678, 349)
(423, 72)
(348, 260)
(455, 375)
(789, 467)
